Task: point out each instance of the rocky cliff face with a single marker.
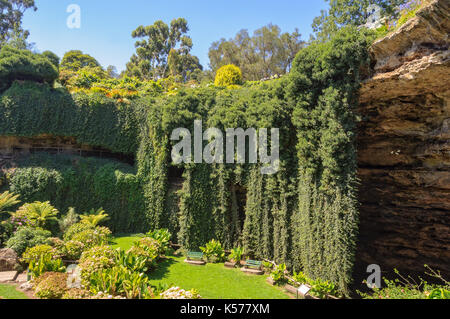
(404, 147)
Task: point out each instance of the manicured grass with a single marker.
(10, 292)
(214, 281)
(125, 242)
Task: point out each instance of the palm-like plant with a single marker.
(7, 200)
(41, 213)
(94, 218)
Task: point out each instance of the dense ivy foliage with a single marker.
(84, 183)
(31, 109)
(24, 65)
(324, 87)
(304, 216)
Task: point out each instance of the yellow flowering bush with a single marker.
(228, 75)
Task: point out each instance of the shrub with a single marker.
(24, 65)
(75, 229)
(301, 278)
(7, 200)
(228, 75)
(42, 259)
(94, 218)
(163, 237)
(147, 249)
(214, 251)
(136, 262)
(35, 253)
(46, 263)
(42, 214)
(279, 274)
(73, 249)
(71, 218)
(322, 289)
(94, 260)
(178, 293)
(119, 281)
(51, 286)
(236, 254)
(93, 237)
(26, 237)
(76, 294)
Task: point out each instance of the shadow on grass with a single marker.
(162, 269)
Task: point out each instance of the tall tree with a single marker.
(349, 12)
(75, 60)
(184, 65)
(154, 47)
(268, 52)
(11, 13)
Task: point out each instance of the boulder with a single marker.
(8, 259)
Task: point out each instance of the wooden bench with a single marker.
(253, 267)
(195, 258)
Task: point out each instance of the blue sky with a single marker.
(106, 25)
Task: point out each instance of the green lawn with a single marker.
(10, 292)
(212, 281)
(125, 242)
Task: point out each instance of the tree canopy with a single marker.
(349, 12)
(76, 60)
(162, 49)
(11, 13)
(268, 52)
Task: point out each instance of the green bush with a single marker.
(120, 281)
(29, 109)
(43, 215)
(148, 249)
(278, 274)
(236, 254)
(162, 236)
(46, 263)
(94, 260)
(228, 75)
(97, 236)
(135, 262)
(75, 229)
(24, 65)
(73, 249)
(51, 286)
(27, 237)
(214, 251)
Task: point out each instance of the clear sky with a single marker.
(106, 25)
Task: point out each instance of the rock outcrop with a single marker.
(404, 148)
(8, 259)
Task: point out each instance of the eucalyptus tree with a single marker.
(11, 14)
(156, 44)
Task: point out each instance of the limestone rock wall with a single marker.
(404, 148)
